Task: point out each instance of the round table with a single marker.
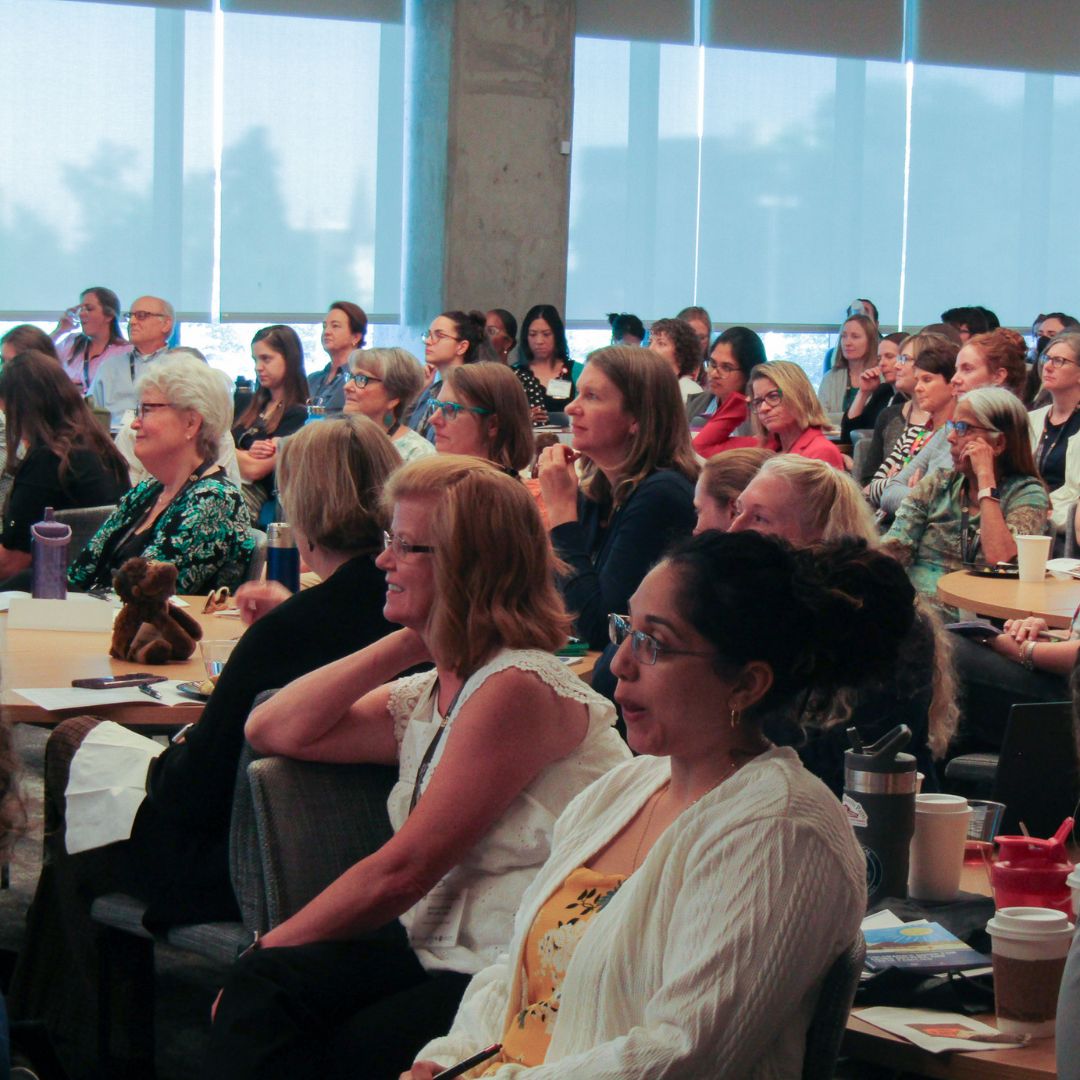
(1054, 599)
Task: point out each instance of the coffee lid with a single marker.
(1032, 922)
(933, 803)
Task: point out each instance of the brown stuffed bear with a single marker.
(150, 630)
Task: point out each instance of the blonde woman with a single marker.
(787, 414)
(808, 503)
(854, 367)
(491, 745)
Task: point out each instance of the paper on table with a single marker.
(882, 920)
(106, 786)
(939, 1031)
(54, 699)
(14, 594)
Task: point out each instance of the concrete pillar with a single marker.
(489, 104)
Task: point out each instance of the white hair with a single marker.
(188, 383)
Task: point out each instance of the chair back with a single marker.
(831, 1012)
(1037, 777)
(258, 555)
(84, 522)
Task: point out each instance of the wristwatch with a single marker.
(989, 493)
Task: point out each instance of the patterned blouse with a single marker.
(203, 532)
(925, 535)
(558, 927)
(537, 395)
(910, 441)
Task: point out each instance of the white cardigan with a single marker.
(708, 961)
(1063, 498)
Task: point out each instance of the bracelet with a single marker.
(1027, 655)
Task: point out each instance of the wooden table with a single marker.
(1054, 599)
(52, 658)
(865, 1042)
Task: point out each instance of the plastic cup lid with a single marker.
(1032, 922)
(933, 803)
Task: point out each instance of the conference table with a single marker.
(865, 1042)
(52, 658)
(1053, 599)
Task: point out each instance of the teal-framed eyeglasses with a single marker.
(361, 379)
(451, 410)
(962, 427)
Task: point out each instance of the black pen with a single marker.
(463, 1067)
(149, 691)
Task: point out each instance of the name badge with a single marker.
(437, 922)
(559, 389)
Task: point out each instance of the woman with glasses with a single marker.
(482, 411)
(1054, 427)
(176, 859)
(681, 883)
(277, 409)
(787, 414)
(490, 746)
(343, 331)
(618, 498)
(88, 334)
(930, 360)
(57, 453)
(735, 353)
(971, 513)
(453, 338)
(187, 512)
(382, 384)
(500, 328)
(544, 366)
(852, 363)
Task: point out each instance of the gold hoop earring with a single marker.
(736, 718)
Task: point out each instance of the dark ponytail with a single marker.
(469, 326)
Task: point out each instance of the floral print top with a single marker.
(203, 532)
(559, 926)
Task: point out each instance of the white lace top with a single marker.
(490, 880)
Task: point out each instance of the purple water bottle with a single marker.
(49, 540)
(282, 558)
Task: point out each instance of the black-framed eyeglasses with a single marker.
(401, 548)
(361, 379)
(430, 337)
(145, 407)
(769, 400)
(962, 427)
(142, 316)
(1056, 362)
(644, 646)
(453, 409)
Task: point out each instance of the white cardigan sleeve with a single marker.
(760, 916)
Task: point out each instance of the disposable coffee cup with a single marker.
(1030, 947)
(1032, 553)
(937, 847)
(1073, 881)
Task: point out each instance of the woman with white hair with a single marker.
(187, 513)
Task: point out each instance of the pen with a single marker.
(149, 691)
(463, 1067)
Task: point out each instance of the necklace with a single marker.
(735, 766)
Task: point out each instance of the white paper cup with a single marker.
(937, 846)
(1030, 947)
(1073, 881)
(1032, 553)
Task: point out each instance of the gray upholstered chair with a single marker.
(84, 522)
(830, 1017)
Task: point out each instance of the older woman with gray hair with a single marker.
(382, 384)
(187, 512)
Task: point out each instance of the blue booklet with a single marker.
(919, 946)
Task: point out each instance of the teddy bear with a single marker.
(148, 629)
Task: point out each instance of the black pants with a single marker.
(358, 1009)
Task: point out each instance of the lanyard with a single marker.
(969, 544)
(1045, 448)
(429, 753)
